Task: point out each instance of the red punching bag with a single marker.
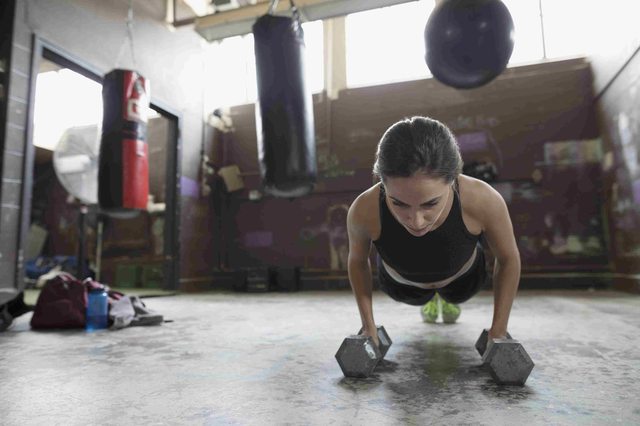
(123, 176)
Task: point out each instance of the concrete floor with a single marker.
(265, 359)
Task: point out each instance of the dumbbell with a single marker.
(358, 355)
(506, 359)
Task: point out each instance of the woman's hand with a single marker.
(373, 334)
(496, 334)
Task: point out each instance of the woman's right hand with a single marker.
(373, 334)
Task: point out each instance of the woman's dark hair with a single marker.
(418, 145)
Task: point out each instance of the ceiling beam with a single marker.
(239, 21)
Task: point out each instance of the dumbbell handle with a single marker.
(383, 339)
(481, 344)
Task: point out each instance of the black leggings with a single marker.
(459, 290)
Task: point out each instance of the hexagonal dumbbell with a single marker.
(506, 359)
(358, 355)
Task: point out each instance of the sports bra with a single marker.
(435, 256)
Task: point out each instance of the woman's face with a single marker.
(417, 202)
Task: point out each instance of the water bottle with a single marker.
(97, 310)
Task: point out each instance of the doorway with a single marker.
(64, 229)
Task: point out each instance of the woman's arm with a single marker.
(359, 266)
(498, 231)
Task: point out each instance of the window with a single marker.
(313, 37)
(569, 33)
(231, 68)
(528, 32)
(387, 44)
(230, 73)
(50, 121)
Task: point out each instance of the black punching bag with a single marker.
(123, 174)
(468, 42)
(284, 114)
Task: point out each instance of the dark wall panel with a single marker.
(511, 122)
(519, 113)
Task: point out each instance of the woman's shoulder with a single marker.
(477, 197)
(364, 212)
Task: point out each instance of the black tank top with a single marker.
(437, 255)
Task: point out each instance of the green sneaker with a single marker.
(450, 312)
(430, 310)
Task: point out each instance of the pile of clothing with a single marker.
(62, 304)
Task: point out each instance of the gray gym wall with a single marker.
(94, 32)
(616, 65)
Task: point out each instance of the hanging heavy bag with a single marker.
(284, 114)
(123, 175)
